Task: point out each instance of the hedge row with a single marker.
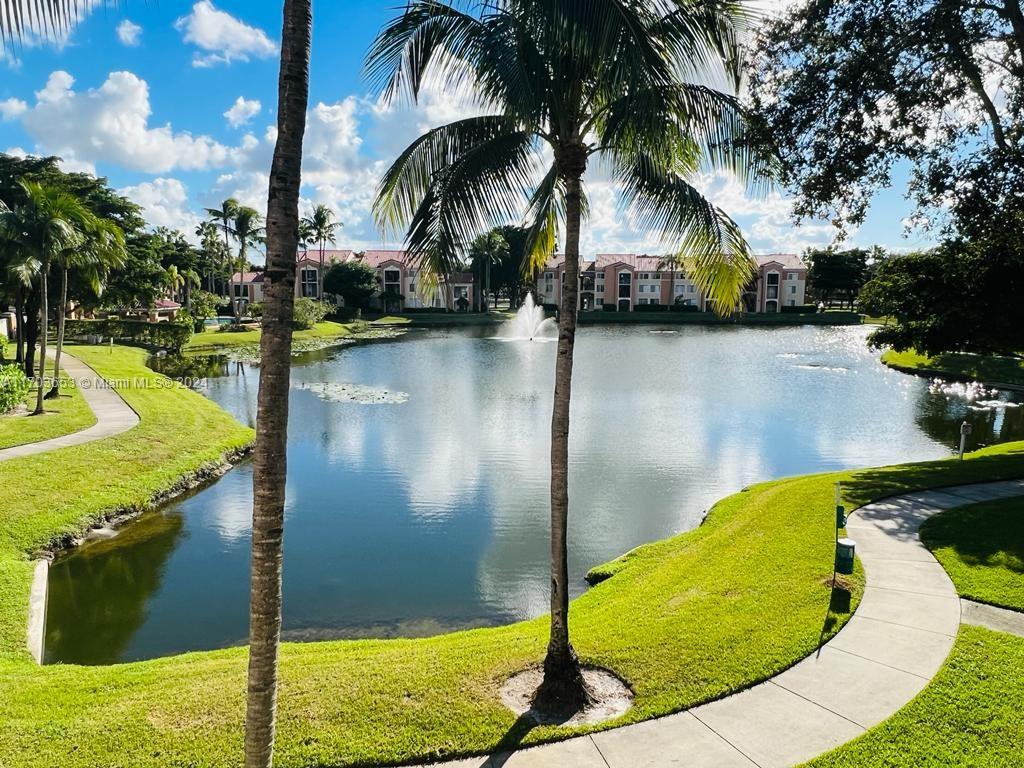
(172, 336)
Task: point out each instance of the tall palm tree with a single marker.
(48, 222)
(270, 455)
(249, 232)
(100, 249)
(208, 235)
(566, 82)
(275, 370)
(321, 225)
(224, 218)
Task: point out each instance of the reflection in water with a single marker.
(409, 518)
(99, 598)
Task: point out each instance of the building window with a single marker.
(791, 276)
(792, 302)
(310, 283)
(792, 289)
(241, 291)
(625, 285)
(680, 289)
(392, 281)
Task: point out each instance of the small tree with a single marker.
(354, 281)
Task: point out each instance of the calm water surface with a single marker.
(425, 509)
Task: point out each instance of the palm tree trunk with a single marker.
(55, 389)
(44, 311)
(269, 459)
(563, 690)
(19, 329)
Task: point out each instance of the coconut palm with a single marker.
(673, 262)
(224, 218)
(248, 227)
(321, 224)
(563, 84)
(275, 342)
(100, 249)
(47, 222)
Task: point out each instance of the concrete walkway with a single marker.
(898, 639)
(991, 617)
(113, 415)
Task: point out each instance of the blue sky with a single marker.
(174, 102)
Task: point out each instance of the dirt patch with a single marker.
(841, 582)
(612, 697)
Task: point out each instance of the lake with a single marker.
(417, 488)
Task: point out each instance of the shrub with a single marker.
(14, 387)
(172, 336)
(651, 308)
(256, 309)
(609, 308)
(804, 309)
(309, 312)
(685, 308)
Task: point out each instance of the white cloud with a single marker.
(165, 203)
(129, 33)
(224, 38)
(242, 111)
(12, 108)
(111, 124)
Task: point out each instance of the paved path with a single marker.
(113, 416)
(898, 639)
(991, 617)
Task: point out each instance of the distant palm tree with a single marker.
(321, 224)
(269, 455)
(208, 235)
(673, 262)
(249, 232)
(101, 249)
(48, 222)
(224, 218)
(564, 82)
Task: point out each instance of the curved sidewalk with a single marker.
(901, 634)
(113, 415)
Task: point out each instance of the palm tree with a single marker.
(321, 225)
(249, 232)
(270, 454)
(208, 236)
(275, 370)
(224, 217)
(565, 82)
(673, 262)
(100, 249)
(48, 222)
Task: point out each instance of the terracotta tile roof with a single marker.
(166, 304)
(248, 277)
(787, 260)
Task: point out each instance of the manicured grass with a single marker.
(684, 620)
(214, 339)
(982, 549)
(991, 369)
(969, 716)
(68, 413)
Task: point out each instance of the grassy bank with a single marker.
(67, 414)
(982, 549)
(970, 714)
(441, 319)
(990, 369)
(212, 340)
(684, 620)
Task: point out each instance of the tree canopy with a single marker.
(959, 297)
(848, 90)
(354, 281)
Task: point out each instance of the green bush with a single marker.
(309, 312)
(651, 308)
(256, 309)
(14, 387)
(172, 336)
(804, 309)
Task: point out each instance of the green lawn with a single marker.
(982, 549)
(969, 716)
(684, 620)
(991, 369)
(213, 339)
(69, 413)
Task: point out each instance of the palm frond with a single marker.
(430, 38)
(487, 186)
(48, 18)
(543, 219)
(406, 183)
(710, 243)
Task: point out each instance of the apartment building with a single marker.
(400, 281)
(628, 282)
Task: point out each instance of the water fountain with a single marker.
(530, 324)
